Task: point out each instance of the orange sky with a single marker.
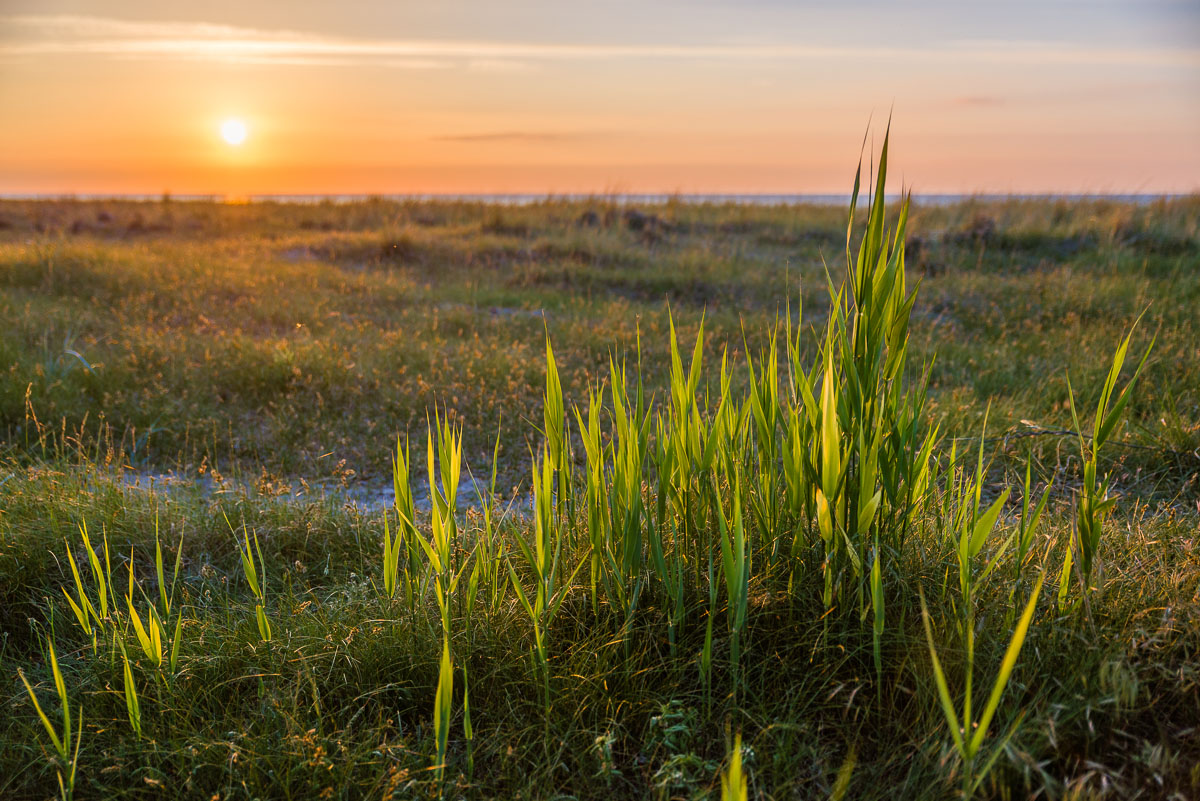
(536, 97)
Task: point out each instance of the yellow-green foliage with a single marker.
(790, 523)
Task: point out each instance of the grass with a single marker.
(767, 571)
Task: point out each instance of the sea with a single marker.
(623, 199)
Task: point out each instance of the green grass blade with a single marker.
(176, 639)
(442, 707)
(132, 706)
(54, 738)
(158, 569)
(1109, 420)
(940, 679)
(264, 625)
(1006, 668)
(877, 602)
(986, 522)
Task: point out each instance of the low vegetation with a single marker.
(560, 501)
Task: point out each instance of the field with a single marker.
(864, 536)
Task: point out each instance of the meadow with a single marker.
(572, 500)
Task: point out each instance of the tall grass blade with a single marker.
(443, 699)
(1006, 668)
(939, 676)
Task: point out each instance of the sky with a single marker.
(557, 96)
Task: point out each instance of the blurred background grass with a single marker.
(297, 340)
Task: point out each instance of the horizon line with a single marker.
(785, 198)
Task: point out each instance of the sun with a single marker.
(233, 131)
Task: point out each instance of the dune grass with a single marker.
(807, 560)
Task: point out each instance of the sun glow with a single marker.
(233, 131)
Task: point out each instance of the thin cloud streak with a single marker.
(978, 100)
(509, 136)
(104, 37)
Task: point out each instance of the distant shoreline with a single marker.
(528, 199)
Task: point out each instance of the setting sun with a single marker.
(233, 131)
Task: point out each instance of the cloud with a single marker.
(499, 65)
(978, 100)
(51, 35)
(509, 136)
